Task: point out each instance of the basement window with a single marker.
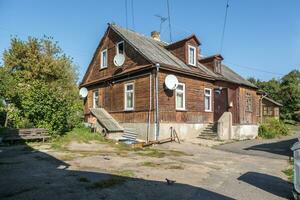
(207, 100)
(192, 55)
(180, 97)
(103, 61)
(120, 48)
(129, 96)
(95, 99)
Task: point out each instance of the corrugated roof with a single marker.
(106, 120)
(152, 49)
(155, 52)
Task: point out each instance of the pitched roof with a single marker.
(155, 52)
(273, 101)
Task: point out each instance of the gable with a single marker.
(109, 41)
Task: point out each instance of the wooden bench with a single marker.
(26, 134)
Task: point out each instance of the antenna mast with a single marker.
(162, 20)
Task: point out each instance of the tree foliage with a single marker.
(40, 82)
(285, 90)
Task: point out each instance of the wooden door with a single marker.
(220, 102)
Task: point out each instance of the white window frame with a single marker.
(210, 99)
(189, 55)
(102, 66)
(117, 49)
(125, 96)
(183, 91)
(94, 102)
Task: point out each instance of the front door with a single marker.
(220, 102)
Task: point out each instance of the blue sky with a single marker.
(262, 37)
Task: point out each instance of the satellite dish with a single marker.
(119, 60)
(171, 82)
(83, 92)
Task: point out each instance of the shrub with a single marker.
(272, 128)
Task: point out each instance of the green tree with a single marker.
(40, 81)
(290, 94)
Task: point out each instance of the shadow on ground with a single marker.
(278, 147)
(30, 174)
(268, 183)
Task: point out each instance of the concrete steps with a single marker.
(209, 132)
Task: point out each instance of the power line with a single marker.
(254, 69)
(132, 15)
(170, 29)
(224, 26)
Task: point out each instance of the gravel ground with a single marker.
(98, 171)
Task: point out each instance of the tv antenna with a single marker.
(162, 20)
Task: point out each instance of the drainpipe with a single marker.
(157, 65)
(150, 107)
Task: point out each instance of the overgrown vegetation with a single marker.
(77, 134)
(286, 91)
(39, 82)
(289, 172)
(273, 128)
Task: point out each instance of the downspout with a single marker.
(150, 107)
(157, 65)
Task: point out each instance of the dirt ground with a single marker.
(100, 171)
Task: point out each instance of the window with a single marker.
(270, 111)
(95, 99)
(248, 102)
(207, 99)
(180, 97)
(276, 112)
(120, 47)
(103, 63)
(218, 66)
(192, 55)
(129, 96)
(265, 111)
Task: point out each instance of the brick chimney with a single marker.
(155, 35)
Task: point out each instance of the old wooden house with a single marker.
(210, 99)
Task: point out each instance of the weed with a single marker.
(289, 172)
(124, 173)
(150, 164)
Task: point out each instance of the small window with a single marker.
(192, 55)
(270, 111)
(95, 99)
(120, 47)
(180, 97)
(218, 66)
(276, 112)
(265, 111)
(103, 63)
(129, 96)
(249, 106)
(207, 100)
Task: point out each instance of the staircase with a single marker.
(209, 132)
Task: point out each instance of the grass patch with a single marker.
(150, 164)
(293, 127)
(83, 179)
(289, 172)
(81, 135)
(124, 173)
(111, 182)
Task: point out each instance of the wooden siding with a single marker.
(247, 117)
(194, 101)
(109, 42)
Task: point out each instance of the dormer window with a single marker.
(120, 47)
(218, 66)
(191, 55)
